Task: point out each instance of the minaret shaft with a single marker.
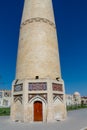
(38, 49)
(38, 8)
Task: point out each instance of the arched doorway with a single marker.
(38, 111)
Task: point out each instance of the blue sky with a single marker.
(71, 22)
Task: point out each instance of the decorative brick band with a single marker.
(57, 87)
(18, 97)
(58, 95)
(38, 19)
(43, 95)
(18, 87)
(37, 86)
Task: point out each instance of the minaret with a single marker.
(38, 90)
(38, 48)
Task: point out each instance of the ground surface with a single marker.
(76, 120)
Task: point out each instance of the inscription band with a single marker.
(38, 19)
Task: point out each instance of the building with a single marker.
(5, 98)
(69, 100)
(77, 98)
(38, 92)
(74, 99)
(84, 100)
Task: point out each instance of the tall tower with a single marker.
(38, 90)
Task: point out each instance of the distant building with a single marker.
(69, 100)
(77, 98)
(84, 100)
(74, 99)
(5, 98)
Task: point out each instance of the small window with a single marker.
(57, 78)
(37, 77)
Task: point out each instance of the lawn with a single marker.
(4, 111)
(75, 107)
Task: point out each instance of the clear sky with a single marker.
(71, 22)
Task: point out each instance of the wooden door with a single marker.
(38, 116)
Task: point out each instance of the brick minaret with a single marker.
(38, 90)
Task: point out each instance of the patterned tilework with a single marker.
(18, 97)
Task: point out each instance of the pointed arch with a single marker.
(38, 98)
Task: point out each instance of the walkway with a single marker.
(76, 120)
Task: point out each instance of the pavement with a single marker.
(76, 120)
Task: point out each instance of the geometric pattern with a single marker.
(57, 87)
(38, 19)
(44, 96)
(18, 97)
(37, 86)
(58, 95)
(18, 87)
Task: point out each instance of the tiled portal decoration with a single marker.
(58, 95)
(18, 97)
(18, 87)
(38, 19)
(37, 86)
(44, 96)
(57, 87)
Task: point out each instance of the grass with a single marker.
(75, 107)
(4, 111)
